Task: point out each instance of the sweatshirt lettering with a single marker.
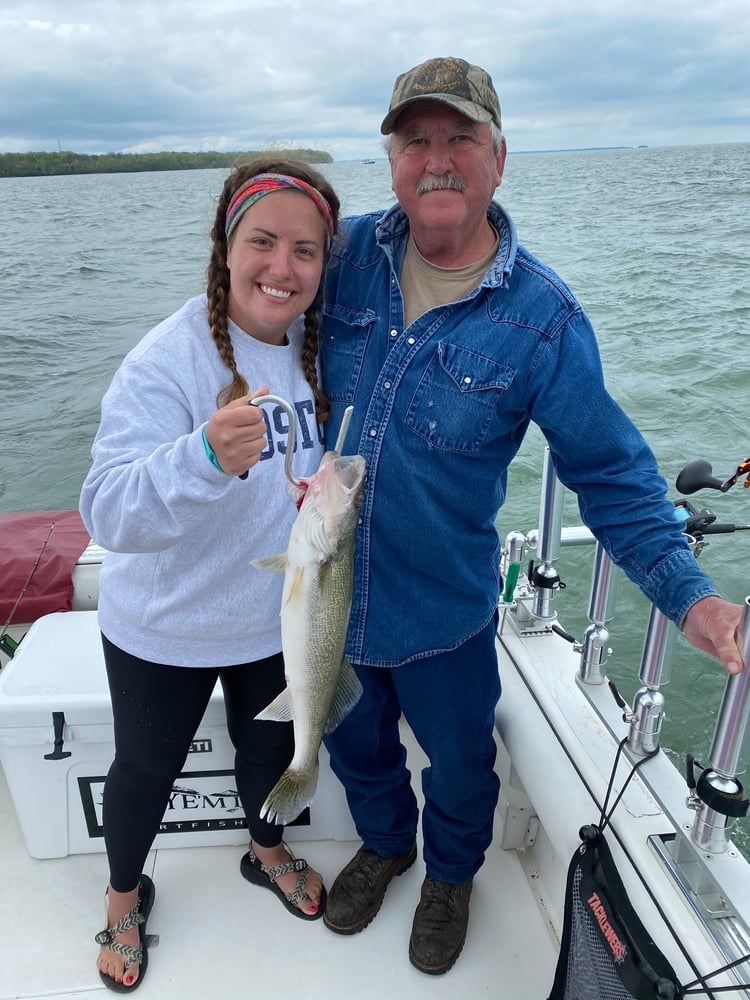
(277, 429)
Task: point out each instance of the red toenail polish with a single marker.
(128, 980)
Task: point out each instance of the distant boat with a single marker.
(368, 161)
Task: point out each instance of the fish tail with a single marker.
(292, 793)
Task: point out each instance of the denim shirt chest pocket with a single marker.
(457, 397)
(345, 335)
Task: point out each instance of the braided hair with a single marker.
(217, 288)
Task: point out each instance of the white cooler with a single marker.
(56, 746)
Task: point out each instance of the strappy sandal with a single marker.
(256, 872)
(137, 917)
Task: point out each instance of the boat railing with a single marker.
(719, 794)
(716, 792)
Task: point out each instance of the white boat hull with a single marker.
(219, 937)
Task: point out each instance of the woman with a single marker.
(187, 486)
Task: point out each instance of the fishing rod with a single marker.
(698, 475)
(8, 644)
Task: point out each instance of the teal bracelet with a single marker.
(210, 452)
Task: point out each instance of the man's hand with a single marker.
(713, 626)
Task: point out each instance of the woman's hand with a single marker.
(237, 434)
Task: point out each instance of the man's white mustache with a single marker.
(440, 182)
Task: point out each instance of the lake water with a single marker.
(655, 243)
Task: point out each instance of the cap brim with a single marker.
(474, 112)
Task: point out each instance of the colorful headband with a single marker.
(262, 184)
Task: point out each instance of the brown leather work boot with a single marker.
(356, 895)
(439, 929)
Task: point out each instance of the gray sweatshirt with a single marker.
(177, 585)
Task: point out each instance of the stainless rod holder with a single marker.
(731, 722)
(550, 512)
(658, 644)
(604, 579)
(545, 579)
(514, 550)
(595, 644)
(711, 827)
(647, 714)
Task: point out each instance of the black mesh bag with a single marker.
(606, 953)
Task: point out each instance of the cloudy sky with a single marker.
(147, 75)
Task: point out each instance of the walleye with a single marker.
(322, 686)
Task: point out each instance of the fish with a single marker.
(321, 685)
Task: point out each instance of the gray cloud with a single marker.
(101, 76)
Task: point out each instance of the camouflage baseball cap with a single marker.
(469, 89)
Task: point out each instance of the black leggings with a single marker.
(157, 709)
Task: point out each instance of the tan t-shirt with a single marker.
(425, 285)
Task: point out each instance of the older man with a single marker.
(449, 338)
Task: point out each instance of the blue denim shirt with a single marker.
(441, 408)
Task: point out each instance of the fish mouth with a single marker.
(350, 471)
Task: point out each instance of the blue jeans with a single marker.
(449, 701)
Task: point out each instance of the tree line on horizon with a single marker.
(66, 162)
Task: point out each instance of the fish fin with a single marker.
(293, 581)
(346, 696)
(292, 793)
(280, 709)
(277, 564)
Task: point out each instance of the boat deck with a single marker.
(221, 937)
